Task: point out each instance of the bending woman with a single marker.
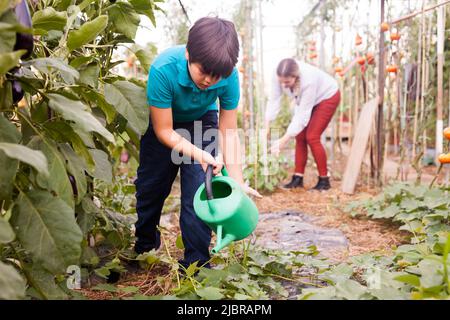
(316, 96)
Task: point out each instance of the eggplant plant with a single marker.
(63, 110)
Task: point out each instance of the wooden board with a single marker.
(359, 146)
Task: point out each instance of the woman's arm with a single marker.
(302, 115)
(230, 146)
(163, 127)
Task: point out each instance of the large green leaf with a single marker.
(32, 157)
(124, 18)
(49, 19)
(58, 180)
(98, 99)
(43, 283)
(78, 112)
(9, 60)
(63, 132)
(6, 232)
(7, 32)
(144, 7)
(210, 293)
(46, 65)
(87, 33)
(11, 283)
(46, 228)
(130, 101)
(103, 168)
(146, 56)
(4, 5)
(75, 166)
(89, 75)
(8, 133)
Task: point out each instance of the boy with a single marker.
(184, 83)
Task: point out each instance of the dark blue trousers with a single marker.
(155, 175)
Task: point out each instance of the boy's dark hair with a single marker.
(214, 44)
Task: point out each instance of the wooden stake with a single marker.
(440, 80)
(381, 83)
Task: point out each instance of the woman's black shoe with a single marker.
(296, 182)
(323, 184)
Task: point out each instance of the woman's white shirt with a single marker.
(315, 86)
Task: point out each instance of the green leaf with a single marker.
(326, 293)
(431, 273)
(410, 279)
(144, 7)
(105, 287)
(8, 133)
(98, 99)
(130, 101)
(46, 228)
(144, 58)
(8, 22)
(179, 242)
(89, 75)
(4, 5)
(58, 181)
(190, 271)
(103, 168)
(49, 19)
(10, 60)
(76, 111)
(29, 156)
(12, 284)
(210, 293)
(87, 33)
(63, 132)
(124, 18)
(46, 65)
(75, 167)
(6, 232)
(43, 283)
(350, 289)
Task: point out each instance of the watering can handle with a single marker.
(208, 180)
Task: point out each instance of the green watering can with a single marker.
(225, 208)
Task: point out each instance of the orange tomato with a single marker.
(392, 68)
(241, 69)
(338, 69)
(313, 56)
(384, 26)
(444, 158)
(361, 61)
(370, 58)
(447, 133)
(395, 36)
(130, 61)
(358, 40)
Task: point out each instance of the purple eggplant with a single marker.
(24, 40)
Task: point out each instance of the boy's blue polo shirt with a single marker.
(170, 86)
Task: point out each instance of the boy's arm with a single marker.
(230, 146)
(163, 127)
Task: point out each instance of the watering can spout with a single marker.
(222, 242)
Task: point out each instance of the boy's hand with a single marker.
(250, 191)
(208, 159)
